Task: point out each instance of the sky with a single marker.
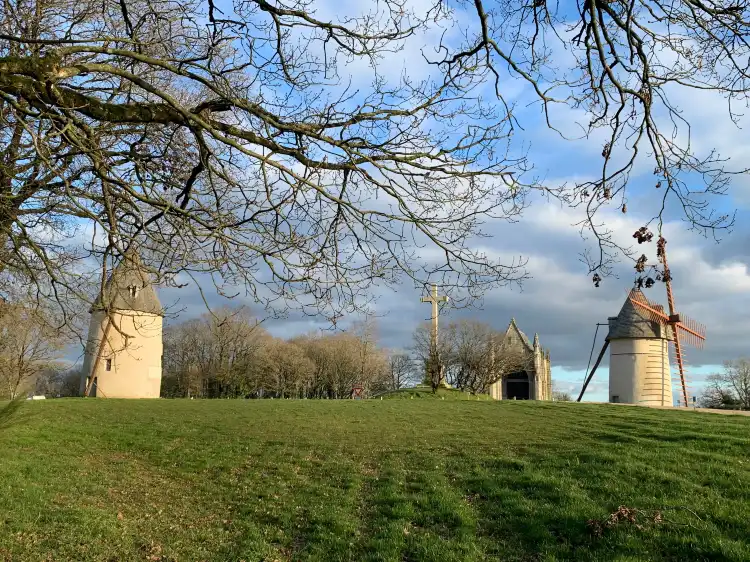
(559, 301)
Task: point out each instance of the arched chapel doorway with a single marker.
(517, 386)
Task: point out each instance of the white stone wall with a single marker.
(639, 372)
(496, 390)
(134, 349)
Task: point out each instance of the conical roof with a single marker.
(129, 287)
(634, 323)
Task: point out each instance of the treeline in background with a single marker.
(229, 354)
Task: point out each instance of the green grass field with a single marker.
(422, 391)
(372, 480)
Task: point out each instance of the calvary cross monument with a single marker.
(434, 371)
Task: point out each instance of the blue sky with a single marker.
(559, 302)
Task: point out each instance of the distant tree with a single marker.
(237, 341)
(730, 388)
(561, 396)
(475, 354)
(371, 357)
(214, 355)
(716, 397)
(401, 370)
(47, 381)
(228, 354)
(432, 361)
(30, 344)
(285, 369)
(343, 360)
(68, 382)
(324, 358)
(188, 358)
(57, 380)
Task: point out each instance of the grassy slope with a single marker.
(368, 480)
(426, 392)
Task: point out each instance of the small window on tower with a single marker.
(108, 365)
(133, 290)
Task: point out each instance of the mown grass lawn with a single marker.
(425, 392)
(110, 480)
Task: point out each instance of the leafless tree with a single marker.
(403, 370)
(225, 143)
(431, 356)
(339, 366)
(366, 333)
(474, 354)
(68, 383)
(631, 58)
(30, 344)
(215, 355)
(227, 353)
(59, 382)
(559, 395)
(228, 140)
(188, 358)
(287, 372)
(729, 388)
(479, 356)
(717, 397)
(237, 339)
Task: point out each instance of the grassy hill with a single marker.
(424, 391)
(369, 480)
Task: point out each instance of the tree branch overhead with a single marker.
(226, 139)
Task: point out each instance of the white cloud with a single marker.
(560, 302)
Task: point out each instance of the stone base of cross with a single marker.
(434, 375)
(434, 370)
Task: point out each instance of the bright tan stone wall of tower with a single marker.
(639, 372)
(136, 366)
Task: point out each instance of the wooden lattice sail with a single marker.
(683, 330)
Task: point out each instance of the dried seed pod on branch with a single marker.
(226, 141)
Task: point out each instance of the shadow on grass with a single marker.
(523, 517)
(528, 511)
(9, 413)
(493, 508)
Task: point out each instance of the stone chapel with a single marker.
(124, 347)
(534, 381)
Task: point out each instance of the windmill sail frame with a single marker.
(683, 330)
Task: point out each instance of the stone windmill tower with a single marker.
(640, 337)
(124, 347)
(639, 356)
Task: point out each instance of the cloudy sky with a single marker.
(559, 302)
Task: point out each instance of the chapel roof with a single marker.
(129, 287)
(521, 336)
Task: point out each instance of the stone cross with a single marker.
(434, 299)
